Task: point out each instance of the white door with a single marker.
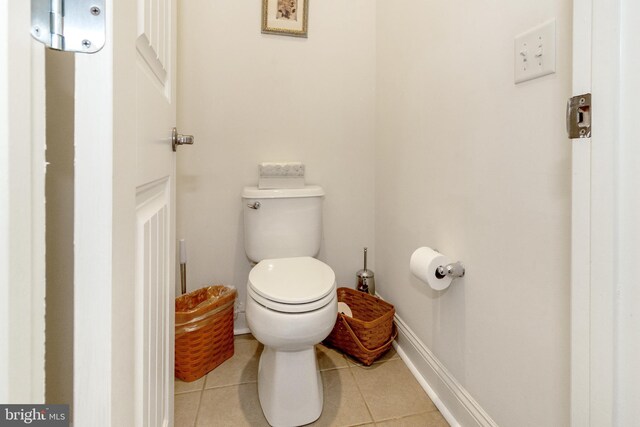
(125, 216)
(22, 285)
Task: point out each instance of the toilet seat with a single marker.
(292, 285)
(290, 308)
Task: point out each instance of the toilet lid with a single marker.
(300, 280)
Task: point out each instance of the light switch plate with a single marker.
(535, 52)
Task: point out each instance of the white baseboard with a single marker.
(454, 402)
(240, 324)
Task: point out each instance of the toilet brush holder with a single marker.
(366, 278)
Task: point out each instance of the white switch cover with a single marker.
(535, 52)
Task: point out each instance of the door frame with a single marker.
(627, 357)
(598, 230)
(22, 214)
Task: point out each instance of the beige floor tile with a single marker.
(244, 337)
(186, 408)
(390, 390)
(184, 387)
(240, 369)
(426, 419)
(389, 355)
(329, 358)
(343, 403)
(231, 406)
(230, 395)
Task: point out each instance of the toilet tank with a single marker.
(282, 223)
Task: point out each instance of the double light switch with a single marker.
(535, 52)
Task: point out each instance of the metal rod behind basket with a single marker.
(183, 278)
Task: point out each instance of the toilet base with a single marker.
(290, 387)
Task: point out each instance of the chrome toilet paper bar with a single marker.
(455, 269)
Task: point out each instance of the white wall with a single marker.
(479, 168)
(249, 98)
(465, 161)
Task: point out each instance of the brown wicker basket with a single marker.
(369, 333)
(204, 331)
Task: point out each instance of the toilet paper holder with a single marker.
(455, 269)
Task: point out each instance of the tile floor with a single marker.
(384, 394)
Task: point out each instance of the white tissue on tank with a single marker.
(281, 169)
(280, 182)
(424, 263)
(279, 175)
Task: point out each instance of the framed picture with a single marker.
(286, 17)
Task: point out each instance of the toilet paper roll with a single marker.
(344, 309)
(423, 265)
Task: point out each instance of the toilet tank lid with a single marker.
(307, 191)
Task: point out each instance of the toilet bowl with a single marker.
(291, 307)
(291, 298)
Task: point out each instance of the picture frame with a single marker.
(285, 17)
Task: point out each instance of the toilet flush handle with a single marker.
(254, 205)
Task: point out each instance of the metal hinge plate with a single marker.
(579, 116)
(71, 26)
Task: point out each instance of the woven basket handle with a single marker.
(394, 334)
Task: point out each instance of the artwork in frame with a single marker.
(286, 17)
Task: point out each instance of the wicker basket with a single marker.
(204, 331)
(369, 333)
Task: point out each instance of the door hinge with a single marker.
(69, 25)
(579, 116)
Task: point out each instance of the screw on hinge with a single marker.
(95, 11)
(86, 44)
(37, 31)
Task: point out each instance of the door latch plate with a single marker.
(579, 116)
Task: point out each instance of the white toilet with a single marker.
(291, 299)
